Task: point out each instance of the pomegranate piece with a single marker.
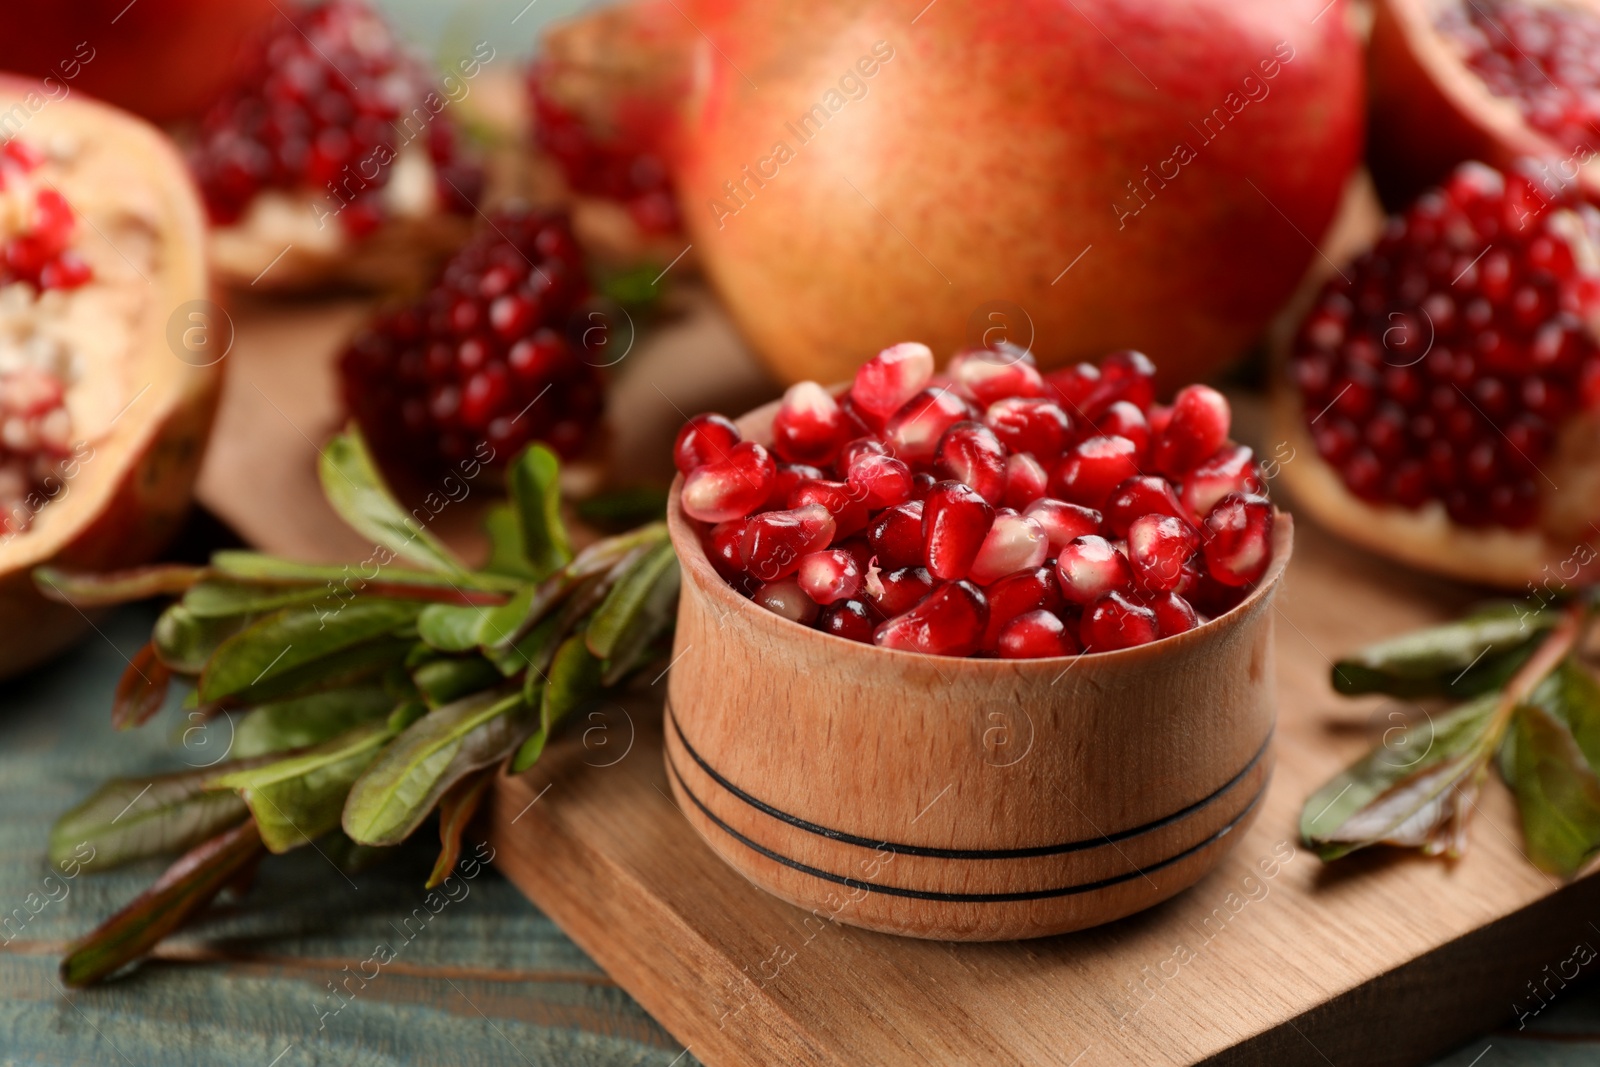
(991, 374)
(889, 379)
(913, 432)
(1238, 539)
(433, 381)
(894, 592)
(1014, 543)
(848, 619)
(730, 488)
(328, 101)
(1231, 470)
(955, 522)
(1026, 481)
(1035, 635)
(1143, 494)
(774, 541)
(787, 599)
(1093, 468)
(809, 427)
(895, 535)
(970, 453)
(1018, 594)
(1029, 424)
(1063, 522)
(843, 502)
(949, 621)
(1174, 615)
(829, 576)
(1113, 621)
(1197, 427)
(1158, 548)
(881, 481)
(1448, 364)
(1090, 567)
(704, 439)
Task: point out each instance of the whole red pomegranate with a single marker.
(165, 59)
(1073, 177)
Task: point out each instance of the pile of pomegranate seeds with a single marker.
(34, 439)
(1542, 56)
(604, 167)
(326, 104)
(39, 226)
(483, 356)
(987, 511)
(1441, 366)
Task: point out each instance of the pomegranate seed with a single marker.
(1231, 470)
(880, 481)
(889, 379)
(955, 521)
(1143, 494)
(1158, 547)
(949, 621)
(774, 541)
(1092, 469)
(1062, 522)
(1126, 375)
(1035, 635)
(1091, 566)
(922, 484)
(1026, 481)
(722, 548)
(1113, 621)
(829, 576)
(1014, 543)
(1018, 594)
(1174, 615)
(1073, 386)
(1122, 419)
(853, 451)
(788, 476)
(809, 427)
(729, 488)
(988, 374)
(896, 535)
(787, 599)
(970, 453)
(1197, 428)
(1238, 543)
(1025, 424)
(913, 432)
(842, 500)
(848, 619)
(898, 591)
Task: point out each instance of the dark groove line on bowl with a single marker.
(932, 852)
(966, 898)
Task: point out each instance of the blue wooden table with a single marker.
(488, 980)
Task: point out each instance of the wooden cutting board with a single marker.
(1272, 959)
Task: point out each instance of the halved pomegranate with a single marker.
(108, 354)
(1489, 80)
(1443, 391)
(334, 157)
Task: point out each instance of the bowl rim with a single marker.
(690, 549)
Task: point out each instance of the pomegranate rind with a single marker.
(1428, 111)
(128, 498)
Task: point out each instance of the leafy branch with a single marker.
(1526, 704)
(368, 697)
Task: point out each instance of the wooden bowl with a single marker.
(963, 799)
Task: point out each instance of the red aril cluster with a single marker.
(598, 165)
(325, 104)
(40, 250)
(1443, 363)
(987, 511)
(1543, 56)
(483, 356)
